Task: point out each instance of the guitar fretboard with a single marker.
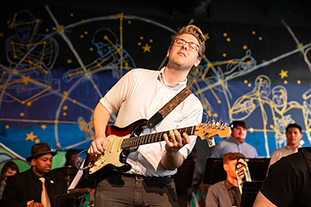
(151, 138)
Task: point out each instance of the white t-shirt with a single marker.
(139, 95)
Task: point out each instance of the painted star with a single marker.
(60, 29)
(120, 16)
(43, 126)
(206, 36)
(146, 48)
(300, 46)
(30, 136)
(283, 74)
(25, 80)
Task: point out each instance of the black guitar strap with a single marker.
(168, 107)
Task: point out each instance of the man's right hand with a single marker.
(98, 146)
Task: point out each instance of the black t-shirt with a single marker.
(288, 182)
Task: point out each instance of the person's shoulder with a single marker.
(23, 174)
(19, 176)
(219, 145)
(56, 174)
(278, 151)
(249, 145)
(141, 73)
(223, 142)
(195, 98)
(218, 185)
(295, 158)
(294, 161)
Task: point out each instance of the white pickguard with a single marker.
(111, 154)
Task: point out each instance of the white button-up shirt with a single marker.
(139, 95)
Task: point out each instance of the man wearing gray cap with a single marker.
(36, 187)
(236, 143)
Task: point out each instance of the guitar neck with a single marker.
(151, 138)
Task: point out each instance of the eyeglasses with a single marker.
(193, 47)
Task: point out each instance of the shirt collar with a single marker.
(229, 185)
(35, 176)
(296, 150)
(177, 85)
(234, 141)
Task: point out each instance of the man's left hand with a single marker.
(175, 141)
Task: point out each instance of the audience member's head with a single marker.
(238, 123)
(229, 164)
(232, 156)
(295, 126)
(239, 131)
(71, 158)
(41, 158)
(293, 135)
(10, 168)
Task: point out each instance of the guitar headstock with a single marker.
(204, 130)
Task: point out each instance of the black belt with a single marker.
(142, 177)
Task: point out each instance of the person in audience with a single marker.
(10, 168)
(226, 193)
(293, 136)
(30, 189)
(71, 158)
(288, 182)
(236, 143)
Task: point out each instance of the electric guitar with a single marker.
(121, 140)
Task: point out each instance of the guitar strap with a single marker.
(168, 107)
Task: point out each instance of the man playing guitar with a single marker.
(139, 95)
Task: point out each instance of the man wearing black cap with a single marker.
(236, 143)
(28, 188)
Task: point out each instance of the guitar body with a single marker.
(114, 158)
(121, 140)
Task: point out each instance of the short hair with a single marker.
(196, 32)
(6, 166)
(232, 156)
(237, 123)
(69, 153)
(293, 126)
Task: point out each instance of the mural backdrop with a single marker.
(57, 62)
